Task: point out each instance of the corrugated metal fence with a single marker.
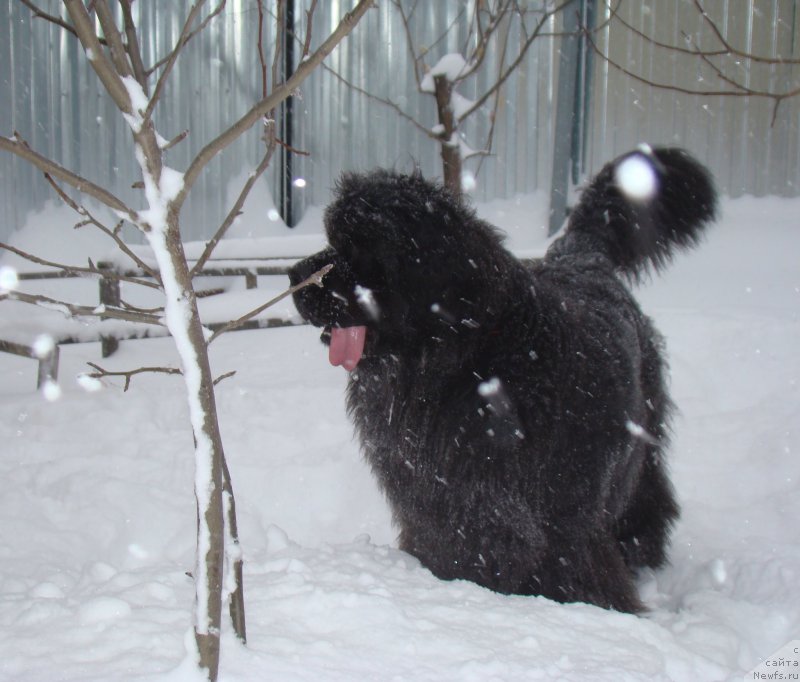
(49, 94)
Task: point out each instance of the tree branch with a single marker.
(478, 103)
(315, 279)
(706, 56)
(119, 57)
(380, 100)
(260, 47)
(132, 45)
(78, 271)
(136, 309)
(216, 11)
(309, 23)
(220, 378)
(173, 57)
(740, 91)
(234, 212)
(53, 19)
(81, 184)
(113, 234)
(730, 49)
(484, 36)
(73, 310)
(280, 46)
(111, 80)
(101, 372)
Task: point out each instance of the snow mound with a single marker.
(98, 515)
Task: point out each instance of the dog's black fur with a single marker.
(515, 415)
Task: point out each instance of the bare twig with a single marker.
(119, 57)
(234, 212)
(309, 24)
(294, 150)
(478, 54)
(496, 106)
(173, 57)
(124, 248)
(158, 310)
(180, 137)
(132, 45)
(503, 77)
(222, 377)
(277, 60)
(260, 44)
(732, 50)
(406, 19)
(215, 12)
(735, 87)
(315, 279)
(270, 138)
(78, 271)
(381, 100)
(738, 91)
(111, 80)
(113, 234)
(38, 13)
(101, 372)
(72, 310)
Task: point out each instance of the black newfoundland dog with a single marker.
(515, 415)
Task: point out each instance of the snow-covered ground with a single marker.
(97, 519)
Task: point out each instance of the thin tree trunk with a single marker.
(449, 148)
(209, 454)
(217, 538)
(234, 554)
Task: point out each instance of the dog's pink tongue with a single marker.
(347, 346)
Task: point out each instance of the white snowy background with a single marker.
(97, 516)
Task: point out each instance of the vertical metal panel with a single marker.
(50, 95)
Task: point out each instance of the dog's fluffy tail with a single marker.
(640, 209)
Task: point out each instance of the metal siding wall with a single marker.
(735, 136)
(54, 101)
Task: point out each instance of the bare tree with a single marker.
(488, 25)
(136, 90)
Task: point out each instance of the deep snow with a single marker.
(97, 520)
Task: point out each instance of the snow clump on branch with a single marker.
(452, 66)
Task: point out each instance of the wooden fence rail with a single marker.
(109, 294)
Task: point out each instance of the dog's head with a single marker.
(412, 267)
